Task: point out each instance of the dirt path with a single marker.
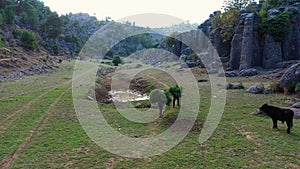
(9, 162)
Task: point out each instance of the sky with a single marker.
(194, 11)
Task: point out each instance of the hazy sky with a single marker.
(196, 11)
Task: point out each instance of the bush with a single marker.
(226, 22)
(55, 48)
(170, 41)
(117, 60)
(1, 19)
(2, 43)
(297, 87)
(28, 40)
(278, 27)
(71, 39)
(16, 33)
(275, 87)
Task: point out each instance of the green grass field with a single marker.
(39, 129)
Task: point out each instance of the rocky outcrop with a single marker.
(290, 78)
(250, 47)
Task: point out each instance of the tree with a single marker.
(158, 96)
(53, 26)
(176, 91)
(170, 41)
(1, 19)
(28, 40)
(117, 60)
(226, 22)
(9, 14)
(236, 4)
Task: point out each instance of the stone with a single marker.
(268, 91)
(247, 43)
(272, 13)
(248, 72)
(24, 58)
(233, 86)
(290, 78)
(231, 74)
(254, 89)
(90, 98)
(272, 53)
(296, 105)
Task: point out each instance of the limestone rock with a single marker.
(290, 78)
(248, 72)
(254, 89)
(296, 105)
(231, 74)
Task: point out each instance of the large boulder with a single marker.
(290, 78)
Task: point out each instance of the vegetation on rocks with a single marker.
(28, 40)
(278, 27)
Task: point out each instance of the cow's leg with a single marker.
(289, 125)
(274, 124)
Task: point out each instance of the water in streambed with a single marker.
(127, 96)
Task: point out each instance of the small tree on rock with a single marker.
(117, 60)
(176, 91)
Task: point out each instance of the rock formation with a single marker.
(250, 47)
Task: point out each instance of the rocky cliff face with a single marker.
(250, 47)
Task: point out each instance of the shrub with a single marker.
(278, 27)
(169, 98)
(1, 19)
(28, 40)
(17, 33)
(71, 39)
(117, 60)
(170, 41)
(55, 48)
(2, 43)
(275, 87)
(297, 87)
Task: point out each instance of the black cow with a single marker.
(276, 113)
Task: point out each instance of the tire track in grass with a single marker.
(42, 89)
(8, 162)
(6, 122)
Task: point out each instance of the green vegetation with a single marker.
(278, 27)
(55, 47)
(170, 40)
(175, 91)
(53, 26)
(117, 60)
(241, 140)
(28, 40)
(226, 22)
(297, 87)
(236, 4)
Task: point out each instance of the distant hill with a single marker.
(179, 28)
